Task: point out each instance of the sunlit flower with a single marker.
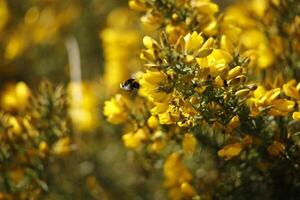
(152, 122)
(177, 174)
(189, 143)
(133, 140)
(62, 146)
(233, 123)
(15, 96)
(231, 150)
(115, 109)
(268, 100)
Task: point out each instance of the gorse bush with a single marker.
(32, 139)
(215, 107)
(157, 99)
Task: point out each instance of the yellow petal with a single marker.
(136, 5)
(189, 143)
(234, 122)
(165, 118)
(208, 43)
(160, 108)
(234, 72)
(206, 8)
(154, 77)
(220, 55)
(193, 42)
(211, 28)
(290, 90)
(159, 96)
(230, 151)
(226, 44)
(296, 115)
(148, 42)
(218, 81)
(152, 122)
(204, 52)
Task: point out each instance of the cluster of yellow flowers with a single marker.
(205, 84)
(41, 23)
(179, 16)
(28, 141)
(190, 74)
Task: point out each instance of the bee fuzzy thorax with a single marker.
(130, 85)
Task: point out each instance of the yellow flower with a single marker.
(269, 100)
(43, 147)
(230, 151)
(62, 146)
(206, 7)
(159, 96)
(152, 122)
(133, 140)
(14, 124)
(211, 28)
(216, 62)
(160, 108)
(281, 107)
(193, 42)
(188, 190)
(175, 172)
(230, 30)
(149, 83)
(242, 28)
(148, 54)
(253, 102)
(115, 109)
(234, 122)
(138, 5)
(189, 143)
(226, 45)
(148, 42)
(291, 90)
(208, 44)
(15, 96)
(296, 115)
(194, 46)
(270, 96)
(157, 145)
(258, 7)
(165, 118)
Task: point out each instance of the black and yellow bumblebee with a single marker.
(130, 85)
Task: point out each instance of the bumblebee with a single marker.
(130, 85)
